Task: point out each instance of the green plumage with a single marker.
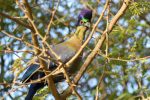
(65, 50)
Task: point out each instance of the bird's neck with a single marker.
(78, 35)
(80, 32)
(76, 40)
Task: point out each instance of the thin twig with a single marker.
(50, 22)
(17, 51)
(72, 85)
(125, 60)
(98, 85)
(20, 39)
(15, 20)
(107, 41)
(106, 53)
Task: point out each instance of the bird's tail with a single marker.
(32, 73)
(32, 90)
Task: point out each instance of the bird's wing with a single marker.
(64, 51)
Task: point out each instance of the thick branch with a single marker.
(98, 45)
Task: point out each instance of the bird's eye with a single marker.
(81, 22)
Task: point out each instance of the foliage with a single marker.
(140, 7)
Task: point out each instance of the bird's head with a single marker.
(84, 18)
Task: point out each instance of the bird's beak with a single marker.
(87, 24)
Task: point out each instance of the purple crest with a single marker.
(85, 13)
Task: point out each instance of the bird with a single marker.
(65, 50)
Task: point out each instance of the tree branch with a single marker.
(15, 20)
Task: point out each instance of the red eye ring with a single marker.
(81, 22)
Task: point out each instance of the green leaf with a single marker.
(1, 47)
